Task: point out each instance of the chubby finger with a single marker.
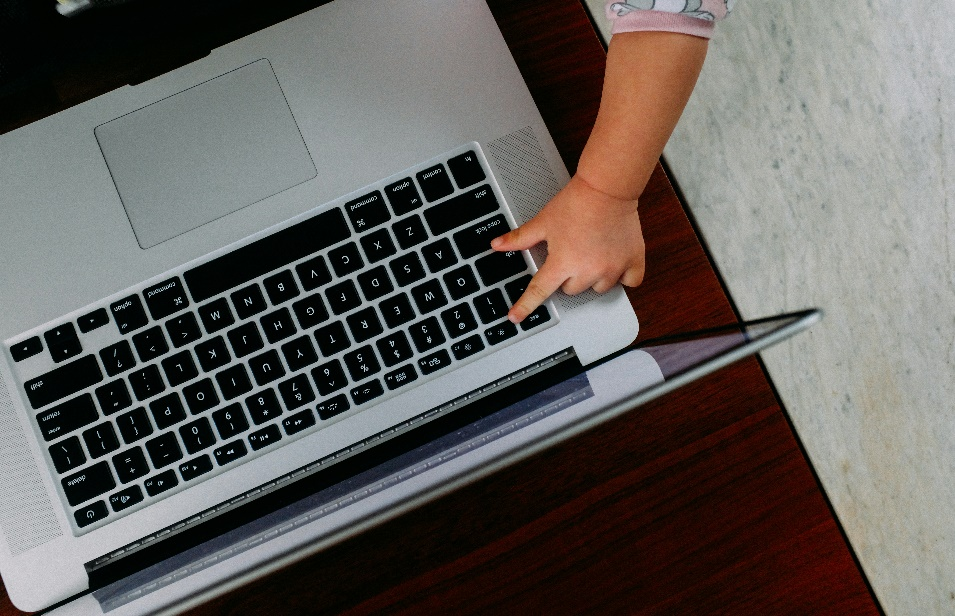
(527, 235)
(542, 285)
(633, 277)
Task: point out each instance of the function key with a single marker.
(466, 169)
(367, 392)
(229, 453)
(401, 376)
(194, 468)
(91, 514)
(434, 362)
(124, 499)
(298, 422)
(264, 437)
(161, 483)
(367, 212)
(333, 406)
(453, 213)
(93, 320)
(166, 298)
(403, 196)
(88, 484)
(128, 314)
(435, 183)
(281, 287)
(500, 332)
(248, 301)
(63, 381)
(467, 347)
(66, 417)
(27, 348)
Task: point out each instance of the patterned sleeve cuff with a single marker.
(693, 17)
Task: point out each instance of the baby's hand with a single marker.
(593, 240)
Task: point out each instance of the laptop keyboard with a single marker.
(225, 360)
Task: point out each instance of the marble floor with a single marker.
(815, 155)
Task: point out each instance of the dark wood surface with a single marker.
(701, 502)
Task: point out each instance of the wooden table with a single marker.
(700, 502)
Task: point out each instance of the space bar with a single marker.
(264, 255)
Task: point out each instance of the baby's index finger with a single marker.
(544, 283)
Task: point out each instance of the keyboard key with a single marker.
(100, 440)
(117, 358)
(439, 255)
(63, 381)
(500, 332)
(62, 351)
(367, 392)
(113, 397)
(130, 465)
(499, 266)
(375, 283)
(466, 169)
(59, 334)
(361, 363)
(329, 377)
(88, 484)
(261, 439)
(90, 514)
(378, 245)
(163, 450)
(367, 212)
(124, 499)
(278, 325)
(281, 287)
(197, 435)
(167, 411)
(245, 339)
(296, 392)
(394, 348)
(128, 314)
(407, 269)
(403, 196)
(516, 288)
(310, 311)
(213, 354)
(467, 347)
(66, 417)
(459, 320)
(230, 421)
(26, 349)
(429, 296)
(409, 232)
(299, 353)
(267, 254)
(195, 467)
(400, 377)
(396, 310)
(248, 301)
(346, 259)
(333, 406)
(332, 339)
(233, 382)
(461, 210)
(343, 297)
(166, 298)
(150, 344)
(298, 422)
(134, 425)
(93, 320)
(229, 453)
(216, 315)
(477, 238)
(364, 324)
(491, 306)
(263, 406)
(161, 483)
(435, 183)
(426, 334)
(146, 383)
(183, 329)
(179, 368)
(538, 317)
(313, 273)
(461, 282)
(67, 455)
(266, 367)
(434, 362)
(200, 396)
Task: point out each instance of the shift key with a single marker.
(63, 381)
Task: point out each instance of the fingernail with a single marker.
(513, 318)
(496, 242)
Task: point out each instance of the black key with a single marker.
(491, 306)
(93, 320)
(147, 382)
(407, 269)
(375, 283)
(364, 324)
(229, 453)
(216, 315)
(124, 499)
(60, 333)
(329, 377)
(516, 288)
(477, 238)
(400, 377)
(461, 282)
(281, 287)
(265, 437)
(459, 320)
(179, 368)
(90, 514)
(66, 417)
(201, 396)
(429, 296)
(367, 212)
(128, 314)
(183, 329)
(130, 465)
(27, 348)
(367, 392)
(461, 210)
(100, 440)
(166, 298)
(197, 435)
(500, 332)
(435, 183)
(333, 406)
(299, 353)
(267, 254)
(394, 348)
(167, 411)
(403, 196)
(439, 255)
(230, 421)
(248, 301)
(195, 467)
(361, 363)
(538, 317)
(409, 232)
(426, 334)
(160, 483)
(150, 344)
(313, 273)
(278, 325)
(263, 406)
(296, 392)
(466, 169)
(434, 362)
(310, 311)
(63, 350)
(346, 259)
(63, 381)
(163, 450)
(332, 338)
(67, 455)
(396, 310)
(113, 397)
(342, 297)
(134, 425)
(88, 483)
(467, 347)
(213, 354)
(302, 420)
(266, 367)
(245, 339)
(378, 245)
(233, 382)
(499, 266)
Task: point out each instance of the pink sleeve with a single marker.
(695, 17)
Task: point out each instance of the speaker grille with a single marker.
(26, 513)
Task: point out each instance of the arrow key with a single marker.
(125, 499)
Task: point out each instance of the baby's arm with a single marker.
(592, 227)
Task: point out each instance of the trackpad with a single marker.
(205, 152)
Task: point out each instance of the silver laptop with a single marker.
(258, 266)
